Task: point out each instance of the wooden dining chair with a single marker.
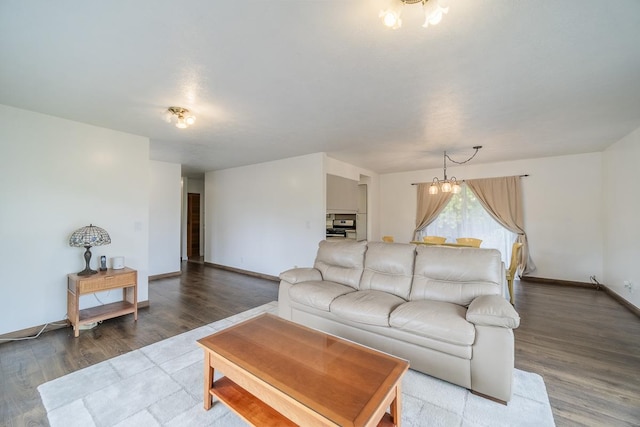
(469, 241)
(513, 267)
(434, 240)
(388, 239)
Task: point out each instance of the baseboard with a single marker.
(245, 272)
(164, 275)
(52, 326)
(29, 332)
(558, 282)
(632, 308)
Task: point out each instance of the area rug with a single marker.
(161, 385)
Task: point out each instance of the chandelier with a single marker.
(184, 119)
(433, 12)
(449, 185)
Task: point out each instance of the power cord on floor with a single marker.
(597, 284)
(36, 335)
(51, 324)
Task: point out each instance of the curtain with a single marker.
(502, 198)
(429, 206)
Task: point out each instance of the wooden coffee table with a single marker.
(280, 373)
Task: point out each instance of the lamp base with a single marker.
(87, 258)
(87, 272)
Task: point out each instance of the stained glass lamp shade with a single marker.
(87, 237)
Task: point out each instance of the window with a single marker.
(464, 216)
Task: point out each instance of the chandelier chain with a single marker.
(477, 147)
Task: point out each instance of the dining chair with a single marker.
(388, 239)
(469, 241)
(435, 240)
(513, 267)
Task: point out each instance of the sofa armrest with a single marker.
(297, 275)
(493, 310)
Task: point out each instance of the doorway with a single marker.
(193, 225)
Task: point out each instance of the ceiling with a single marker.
(282, 78)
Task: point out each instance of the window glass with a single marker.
(464, 216)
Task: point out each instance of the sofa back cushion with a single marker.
(388, 267)
(456, 275)
(341, 261)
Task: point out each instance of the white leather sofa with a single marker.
(441, 308)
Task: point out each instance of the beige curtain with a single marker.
(429, 207)
(502, 198)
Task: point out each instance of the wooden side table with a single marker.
(125, 279)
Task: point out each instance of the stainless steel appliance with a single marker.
(340, 227)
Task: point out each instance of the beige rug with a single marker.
(161, 385)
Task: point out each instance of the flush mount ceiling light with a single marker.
(433, 12)
(449, 185)
(184, 119)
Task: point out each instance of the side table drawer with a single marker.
(107, 282)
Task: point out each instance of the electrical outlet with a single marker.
(629, 285)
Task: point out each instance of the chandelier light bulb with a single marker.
(433, 13)
(391, 15)
(181, 124)
(190, 120)
(391, 19)
(446, 187)
(433, 189)
(455, 188)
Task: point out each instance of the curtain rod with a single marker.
(418, 183)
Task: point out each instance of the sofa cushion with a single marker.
(388, 267)
(318, 294)
(370, 307)
(341, 261)
(434, 319)
(456, 275)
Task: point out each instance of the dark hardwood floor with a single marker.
(581, 341)
(585, 345)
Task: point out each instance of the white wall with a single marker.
(268, 217)
(164, 218)
(562, 211)
(55, 177)
(621, 205)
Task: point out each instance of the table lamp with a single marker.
(87, 237)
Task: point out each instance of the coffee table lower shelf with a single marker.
(253, 410)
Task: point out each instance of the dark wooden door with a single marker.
(193, 225)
